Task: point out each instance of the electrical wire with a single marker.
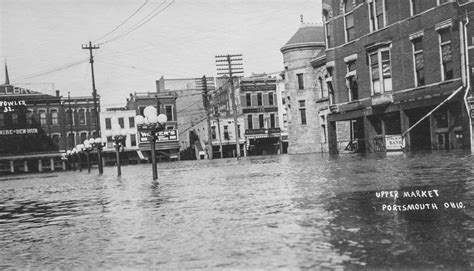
(60, 68)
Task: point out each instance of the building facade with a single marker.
(258, 96)
(399, 73)
(307, 94)
(167, 144)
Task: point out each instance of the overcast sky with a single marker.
(180, 41)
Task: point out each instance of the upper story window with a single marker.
(259, 99)
(42, 114)
(248, 98)
(270, 98)
(348, 20)
(213, 132)
(414, 7)
(377, 14)
(272, 120)
(121, 123)
(380, 70)
(446, 54)
(54, 117)
(250, 121)
(131, 122)
(300, 80)
(108, 123)
(302, 108)
(418, 61)
(82, 116)
(169, 112)
(261, 121)
(15, 118)
(329, 84)
(351, 81)
(327, 28)
(2, 120)
(226, 132)
(29, 117)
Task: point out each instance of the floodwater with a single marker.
(309, 211)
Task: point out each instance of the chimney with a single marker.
(7, 79)
(57, 93)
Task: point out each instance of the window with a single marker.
(414, 7)
(226, 132)
(54, 117)
(302, 109)
(248, 97)
(377, 14)
(169, 112)
(238, 130)
(351, 81)
(327, 30)
(71, 140)
(270, 98)
(380, 71)
(42, 114)
(93, 117)
(213, 132)
(446, 54)
(131, 122)
(259, 99)
(133, 140)
(55, 139)
(110, 142)
(121, 123)
(418, 61)
(300, 81)
(82, 116)
(329, 85)
(249, 121)
(323, 129)
(83, 137)
(2, 120)
(260, 121)
(272, 120)
(348, 20)
(141, 109)
(323, 92)
(29, 117)
(108, 124)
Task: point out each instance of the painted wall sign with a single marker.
(11, 90)
(393, 142)
(19, 131)
(9, 106)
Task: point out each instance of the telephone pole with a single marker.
(233, 66)
(90, 47)
(206, 103)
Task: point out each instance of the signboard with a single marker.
(10, 106)
(393, 142)
(166, 135)
(19, 131)
(262, 131)
(11, 90)
(260, 87)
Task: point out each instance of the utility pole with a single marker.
(232, 67)
(94, 95)
(206, 103)
(70, 120)
(216, 114)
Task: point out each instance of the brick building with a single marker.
(306, 89)
(399, 73)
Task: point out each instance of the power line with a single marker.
(143, 22)
(123, 22)
(60, 68)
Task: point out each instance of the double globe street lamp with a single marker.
(151, 124)
(120, 137)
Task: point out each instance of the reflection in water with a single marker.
(301, 211)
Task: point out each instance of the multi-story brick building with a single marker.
(399, 73)
(260, 113)
(307, 93)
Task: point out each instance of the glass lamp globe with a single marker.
(98, 140)
(149, 111)
(153, 119)
(91, 141)
(68, 152)
(139, 120)
(162, 119)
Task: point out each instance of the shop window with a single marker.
(441, 119)
(418, 61)
(376, 14)
(393, 124)
(446, 54)
(348, 20)
(380, 71)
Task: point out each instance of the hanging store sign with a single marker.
(393, 143)
(10, 106)
(166, 135)
(28, 131)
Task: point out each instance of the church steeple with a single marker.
(7, 79)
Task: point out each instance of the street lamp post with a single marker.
(88, 149)
(119, 136)
(80, 150)
(97, 143)
(152, 124)
(70, 158)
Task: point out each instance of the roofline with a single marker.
(303, 45)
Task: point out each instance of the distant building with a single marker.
(167, 147)
(260, 113)
(400, 71)
(122, 119)
(307, 94)
(283, 110)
